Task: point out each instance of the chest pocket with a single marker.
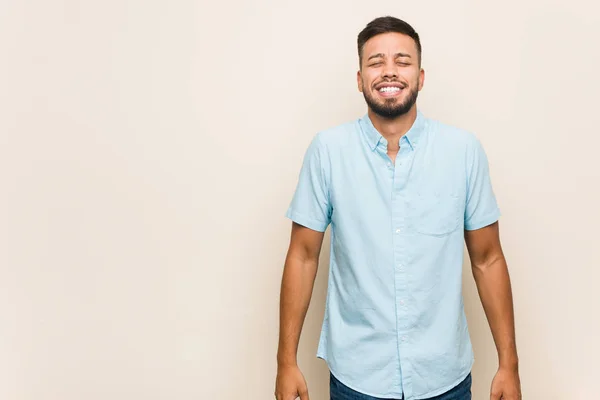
(436, 214)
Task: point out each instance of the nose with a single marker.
(389, 71)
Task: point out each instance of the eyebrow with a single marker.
(381, 55)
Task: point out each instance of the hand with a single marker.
(290, 383)
(506, 385)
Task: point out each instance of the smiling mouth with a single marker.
(389, 91)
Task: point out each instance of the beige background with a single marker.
(149, 150)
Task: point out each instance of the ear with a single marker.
(359, 81)
(421, 79)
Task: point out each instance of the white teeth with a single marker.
(389, 89)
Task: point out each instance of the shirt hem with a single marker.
(424, 396)
(342, 380)
(439, 392)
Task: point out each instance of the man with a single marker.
(401, 192)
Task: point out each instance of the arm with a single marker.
(297, 284)
(491, 276)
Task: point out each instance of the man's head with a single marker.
(390, 75)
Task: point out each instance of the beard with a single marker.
(391, 108)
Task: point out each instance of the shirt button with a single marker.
(401, 302)
(404, 339)
(397, 230)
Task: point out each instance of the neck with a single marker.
(393, 129)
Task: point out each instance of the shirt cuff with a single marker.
(483, 222)
(303, 220)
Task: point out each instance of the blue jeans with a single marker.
(339, 391)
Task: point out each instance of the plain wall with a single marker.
(149, 151)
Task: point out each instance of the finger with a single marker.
(284, 396)
(303, 393)
(494, 395)
(287, 397)
(290, 397)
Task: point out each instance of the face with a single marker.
(390, 77)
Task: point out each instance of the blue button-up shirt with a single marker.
(394, 320)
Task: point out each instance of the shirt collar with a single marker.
(374, 138)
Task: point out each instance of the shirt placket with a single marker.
(399, 175)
